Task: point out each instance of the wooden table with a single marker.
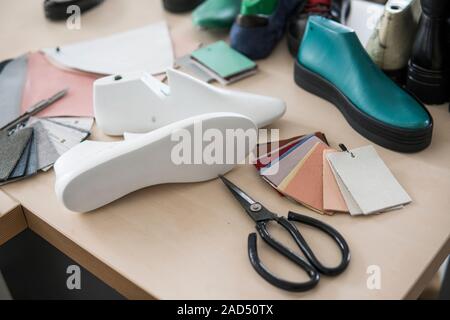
(12, 219)
(189, 241)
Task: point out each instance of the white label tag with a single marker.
(366, 179)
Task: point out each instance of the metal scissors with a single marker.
(312, 266)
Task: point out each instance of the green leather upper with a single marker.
(256, 7)
(216, 13)
(334, 52)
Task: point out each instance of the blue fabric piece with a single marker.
(258, 42)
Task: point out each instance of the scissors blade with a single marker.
(244, 199)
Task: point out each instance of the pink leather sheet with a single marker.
(44, 79)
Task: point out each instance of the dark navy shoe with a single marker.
(257, 35)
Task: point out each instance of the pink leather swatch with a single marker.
(306, 186)
(44, 79)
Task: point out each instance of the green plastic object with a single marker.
(258, 7)
(216, 14)
(222, 59)
(334, 52)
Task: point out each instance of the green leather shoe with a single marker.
(333, 64)
(216, 14)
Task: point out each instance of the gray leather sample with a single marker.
(11, 149)
(62, 137)
(12, 82)
(46, 151)
(31, 166)
(20, 172)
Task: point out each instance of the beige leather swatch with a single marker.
(333, 200)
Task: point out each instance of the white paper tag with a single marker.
(368, 180)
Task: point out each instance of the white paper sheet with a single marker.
(144, 49)
(368, 180)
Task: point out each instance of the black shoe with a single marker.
(337, 10)
(427, 74)
(57, 10)
(181, 6)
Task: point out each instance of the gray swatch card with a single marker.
(62, 137)
(46, 151)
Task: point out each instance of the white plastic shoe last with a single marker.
(139, 103)
(93, 174)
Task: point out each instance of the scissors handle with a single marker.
(313, 268)
(262, 270)
(306, 249)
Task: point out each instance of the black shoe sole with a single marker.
(394, 138)
(181, 7)
(431, 87)
(57, 11)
